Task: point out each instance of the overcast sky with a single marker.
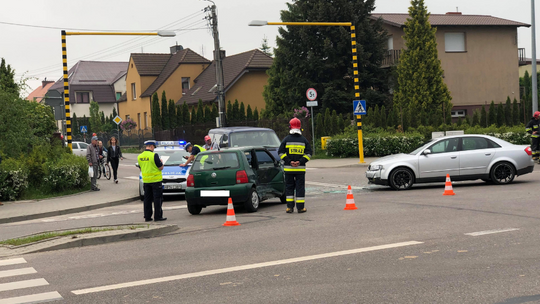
(37, 51)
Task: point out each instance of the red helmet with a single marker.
(207, 137)
(295, 123)
(536, 114)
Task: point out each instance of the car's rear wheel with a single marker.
(194, 209)
(252, 204)
(401, 178)
(283, 198)
(502, 173)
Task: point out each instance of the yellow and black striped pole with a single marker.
(357, 93)
(66, 89)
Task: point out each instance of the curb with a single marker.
(90, 240)
(66, 211)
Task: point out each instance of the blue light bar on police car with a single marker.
(181, 142)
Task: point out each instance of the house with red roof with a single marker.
(39, 93)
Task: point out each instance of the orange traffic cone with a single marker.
(349, 205)
(231, 218)
(448, 186)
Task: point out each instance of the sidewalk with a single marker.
(111, 194)
(339, 162)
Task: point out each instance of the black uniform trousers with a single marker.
(295, 182)
(114, 165)
(153, 191)
(534, 146)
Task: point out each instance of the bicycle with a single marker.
(105, 168)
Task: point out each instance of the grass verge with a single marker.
(48, 235)
(131, 150)
(37, 193)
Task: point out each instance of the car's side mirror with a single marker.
(426, 152)
(223, 145)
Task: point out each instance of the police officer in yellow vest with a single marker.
(151, 166)
(194, 150)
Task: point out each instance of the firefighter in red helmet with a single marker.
(533, 128)
(295, 152)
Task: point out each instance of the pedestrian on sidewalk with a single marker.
(92, 152)
(151, 167)
(295, 152)
(114, 155)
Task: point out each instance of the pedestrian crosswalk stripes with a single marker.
(12, 261)
(35, 298)
(19, 285)
(16, 272)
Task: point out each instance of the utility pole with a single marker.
(534, 75)
(219, 66)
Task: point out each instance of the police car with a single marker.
(174, 177)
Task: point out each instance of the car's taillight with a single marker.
(528, 151)
(191, 181)
(241, 177)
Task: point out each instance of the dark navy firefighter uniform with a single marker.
(150, 163)
(295, 147)
(534, 126)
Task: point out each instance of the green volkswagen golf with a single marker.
(248, 175)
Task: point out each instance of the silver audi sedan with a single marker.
(463, 157)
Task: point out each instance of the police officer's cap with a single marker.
(187, 145)
(150, 143)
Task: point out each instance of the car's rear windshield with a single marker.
(215, 161)
(254, 138)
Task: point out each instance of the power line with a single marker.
(64, 28)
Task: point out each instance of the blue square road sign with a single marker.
(359, 107)
(84, 129)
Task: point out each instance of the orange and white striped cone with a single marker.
(231, 218)
(350, 205)
(448, 186)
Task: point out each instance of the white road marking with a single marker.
(332, 185)
(35, 298)
(132, 177)
(23, 284)
(12, 261)
(240, 268)
(491, 231)
(16, 272)
(96, 215)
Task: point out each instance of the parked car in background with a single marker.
(463, 157)
(248, 175)
(79, 148)
(245, 137)
(174, 177)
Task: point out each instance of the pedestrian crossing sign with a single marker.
(84, 129)
(359, 107)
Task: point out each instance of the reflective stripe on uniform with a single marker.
(528, 129)
(300, 201)
(296, 148)
(307, 156)
(290, 200)
(294, 144)
(294, 170)
(283, 155)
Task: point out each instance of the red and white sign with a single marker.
(311, 94)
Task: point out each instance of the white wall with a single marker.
(120, 85)
(84, 109)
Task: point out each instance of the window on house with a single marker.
(454, 42)
(82, 97)
(185, 85)
(145, 120)
(118, 95)
(139, 120)
(391, 43)
(127, 117)
(459, 113)
(133, 91)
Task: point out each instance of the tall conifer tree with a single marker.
(156, 113)
(164, 112)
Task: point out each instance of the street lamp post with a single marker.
(354, 60)
(533, 61)
(65, 67)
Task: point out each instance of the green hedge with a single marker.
(13, 179)
(66, 173)
(378, 142)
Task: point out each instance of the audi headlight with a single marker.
(375, 167)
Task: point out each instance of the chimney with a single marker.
(176, 48)
(45, 82)
(454, 13)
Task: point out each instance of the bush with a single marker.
(375, 145)
(68, 172)
(13, 179)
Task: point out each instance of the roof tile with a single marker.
(450, 19)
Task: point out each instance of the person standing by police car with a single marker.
(295, 152)
(533, 128)
(193, 150)
(151, 167)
